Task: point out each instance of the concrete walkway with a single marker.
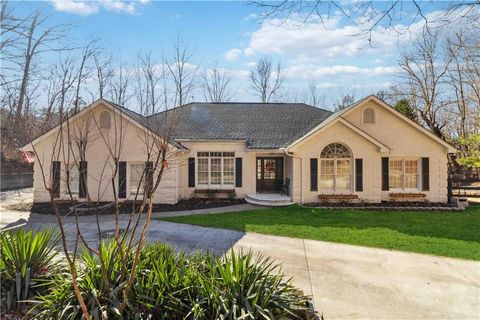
(346, 282)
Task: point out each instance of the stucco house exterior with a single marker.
(365, 152)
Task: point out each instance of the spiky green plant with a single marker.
(26, 258)
(172, 285)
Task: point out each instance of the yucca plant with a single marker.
(26, 258)
(171, 285)
(252, 287)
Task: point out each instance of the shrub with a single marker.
(172, 285)
(26, 262)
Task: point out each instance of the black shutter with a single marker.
(82, 188)
(56, 179)
(425, 174)
(358, 174)
(385, 185)
(313, 174)
(191, 172)
(148, 177)
(238, 172)
(122, 179)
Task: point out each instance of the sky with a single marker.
(235, 35)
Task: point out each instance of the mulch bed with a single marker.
(389, 205)
(126, 207)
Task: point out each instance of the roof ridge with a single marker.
(240, 103)
(122, 107)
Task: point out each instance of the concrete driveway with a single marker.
(345, 281)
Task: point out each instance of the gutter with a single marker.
(288, 153)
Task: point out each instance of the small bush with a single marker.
(26, 263)
(171, 285)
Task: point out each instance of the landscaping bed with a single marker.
(168, 284)
(388, 205)
(103, 208)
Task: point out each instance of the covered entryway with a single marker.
(269, 174)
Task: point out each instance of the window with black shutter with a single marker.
(82, 187)
(56, 179)
(385, 184)
(425, 174)
(313, 174)
(238, 172)
(358, 174)
(122, 179)
(191, 172)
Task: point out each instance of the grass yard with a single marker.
(451, 234)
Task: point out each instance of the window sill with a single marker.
(215, 190)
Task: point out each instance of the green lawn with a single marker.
(452, 234)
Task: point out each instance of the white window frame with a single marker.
(335, 159)
(402, 177)
(335, 189)
(141, 190)
(210, 185)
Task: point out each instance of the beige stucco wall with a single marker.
(100, 161)
(403, 140)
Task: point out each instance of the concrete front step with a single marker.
(269, 199)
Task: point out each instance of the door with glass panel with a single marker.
(269, 174)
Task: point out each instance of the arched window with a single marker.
(368, 115)
(105, 120)
(335, 167)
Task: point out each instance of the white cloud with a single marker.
(249, 52)
(315, 39)
(233, 54)
(120, 6)
(310, 71)
(91, 7)
(77, 7)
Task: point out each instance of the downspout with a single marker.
(288, 153)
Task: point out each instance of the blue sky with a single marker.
(233, 35)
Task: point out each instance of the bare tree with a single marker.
(72, 145)
(182, 71)
(89, 50)
(149, 77)
(424, 69)
(371, 15)
(120, 86)
(313, 95)
(265, 81)
(103, 72)
(216, 84)
(38, 38)
(10, 27)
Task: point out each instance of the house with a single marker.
(365, 152)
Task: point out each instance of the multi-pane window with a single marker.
(137, 178)
(203, 168)
(73, 179)
(403, 174)
(216, 168)
(335, 167)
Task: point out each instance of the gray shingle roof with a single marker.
(261, 125)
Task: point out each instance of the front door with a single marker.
(269, 174)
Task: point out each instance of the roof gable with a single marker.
(339, 116)
(135, 118)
